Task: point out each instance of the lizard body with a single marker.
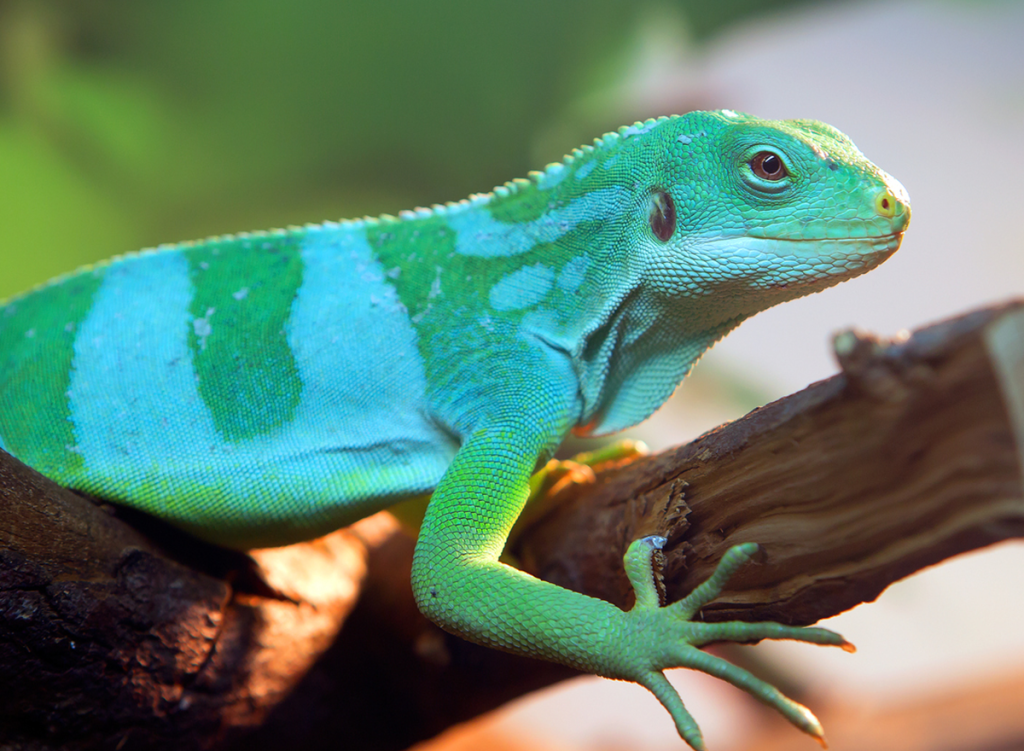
(265, 388)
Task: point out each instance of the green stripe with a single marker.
(244, 289)
(37, 338)
(526, 204)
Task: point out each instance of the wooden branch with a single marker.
(115, 638)
(118, 632)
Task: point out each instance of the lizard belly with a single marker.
(334, 425)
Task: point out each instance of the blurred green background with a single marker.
(125, 124)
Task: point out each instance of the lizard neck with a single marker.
(634, 356)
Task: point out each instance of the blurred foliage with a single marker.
(126, 123)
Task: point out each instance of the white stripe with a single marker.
(361, 425)
(479, 234)
(133, 395)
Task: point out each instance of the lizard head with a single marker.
(717, 215)
(752, 212)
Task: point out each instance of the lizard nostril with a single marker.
(885, 203)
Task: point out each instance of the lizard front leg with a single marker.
(460, 584)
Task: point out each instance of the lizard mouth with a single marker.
(882, 239)
(880, 243)
(866, 246)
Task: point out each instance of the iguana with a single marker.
(260, 389)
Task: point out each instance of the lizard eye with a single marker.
(662, 215)
(768, 166)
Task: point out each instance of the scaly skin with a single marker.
(266, 388)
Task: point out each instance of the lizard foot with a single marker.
(547, 483)
(679, 639)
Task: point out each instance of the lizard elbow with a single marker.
(439, 599)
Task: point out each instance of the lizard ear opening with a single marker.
(661, 215)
